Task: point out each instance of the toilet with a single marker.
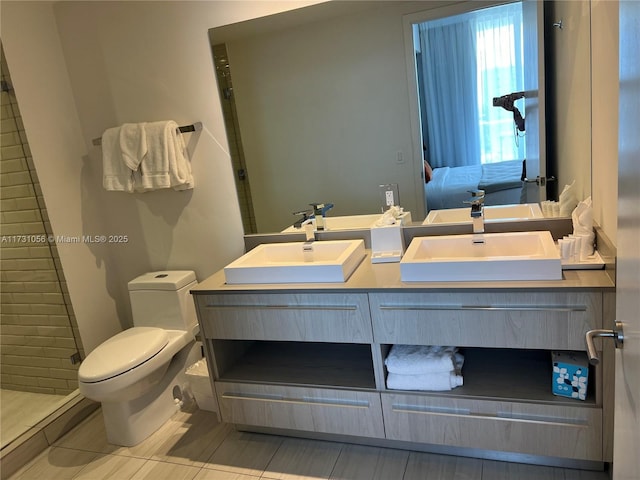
(139, 374)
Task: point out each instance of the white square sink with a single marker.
(327, 261)
(502, 256)
(350, 222)
(523, 211)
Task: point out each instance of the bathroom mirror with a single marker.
(318, 108)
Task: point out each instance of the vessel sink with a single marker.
(522, 211)
(326, 261)
(502, 256)
(350, 222)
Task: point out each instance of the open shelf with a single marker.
(510, 374)
(303, 363)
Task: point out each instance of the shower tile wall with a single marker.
(38, 330)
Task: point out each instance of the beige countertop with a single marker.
(384, 277)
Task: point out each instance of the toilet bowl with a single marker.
(139, 374)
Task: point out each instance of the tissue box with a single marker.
(386, 243)
(570, 374)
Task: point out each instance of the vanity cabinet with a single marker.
(313, 361)
(293, 361)
(506, 402)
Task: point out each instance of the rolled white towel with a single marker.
(437, 382)
(420, 359)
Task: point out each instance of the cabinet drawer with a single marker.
(540, 320)
(535, 429)
(310, 409)
(289, 317)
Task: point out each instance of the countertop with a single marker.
(385, 277)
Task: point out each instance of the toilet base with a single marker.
(129, 423)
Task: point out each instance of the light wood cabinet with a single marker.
(535, 429)
(323, 410)
(314, 362)
(305, 317)
(544, 320)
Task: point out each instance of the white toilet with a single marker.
(139, 374)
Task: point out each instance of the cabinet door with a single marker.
(540, 320)
(289, 317)
(534, 429)
(310, 409)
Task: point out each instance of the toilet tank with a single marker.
(162, 299)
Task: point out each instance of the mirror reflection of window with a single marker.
(463, 62)
(500, 72)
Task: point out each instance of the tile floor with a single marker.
(194, 446)
(23, 410)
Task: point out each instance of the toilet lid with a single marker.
(121, 353)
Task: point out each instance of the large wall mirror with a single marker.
(323, 104)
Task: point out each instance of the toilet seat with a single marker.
(121, 353)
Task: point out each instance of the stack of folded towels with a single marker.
(424, 367)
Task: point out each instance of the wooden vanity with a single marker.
(308, 359)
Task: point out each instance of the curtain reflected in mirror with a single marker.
(463, 63)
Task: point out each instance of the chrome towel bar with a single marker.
(183, 129)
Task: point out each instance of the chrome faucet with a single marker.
(310, 234)
(306, 221)
(305, 215)
(477, 214)
(319, 212)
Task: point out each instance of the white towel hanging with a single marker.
(140, 157)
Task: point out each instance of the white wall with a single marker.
(571, 89)
(326, 104)
(81, 67)
(605, 78)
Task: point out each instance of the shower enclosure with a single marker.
(40, 345)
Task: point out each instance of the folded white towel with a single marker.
(116, 175)
(420, 359)
(440, 381)
(165, 164)
(133, 144)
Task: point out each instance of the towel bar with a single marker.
(183, 129)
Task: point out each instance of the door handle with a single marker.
(618, 337)
(540, 181)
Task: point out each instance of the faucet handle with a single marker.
(477, 197)
(305, 213)
(305, 216)
(321, 208)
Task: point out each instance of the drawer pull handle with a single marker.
(512, 308)
(285, 307)
(504, 416)
(521, 417)
(298, 401)
(430, 410)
